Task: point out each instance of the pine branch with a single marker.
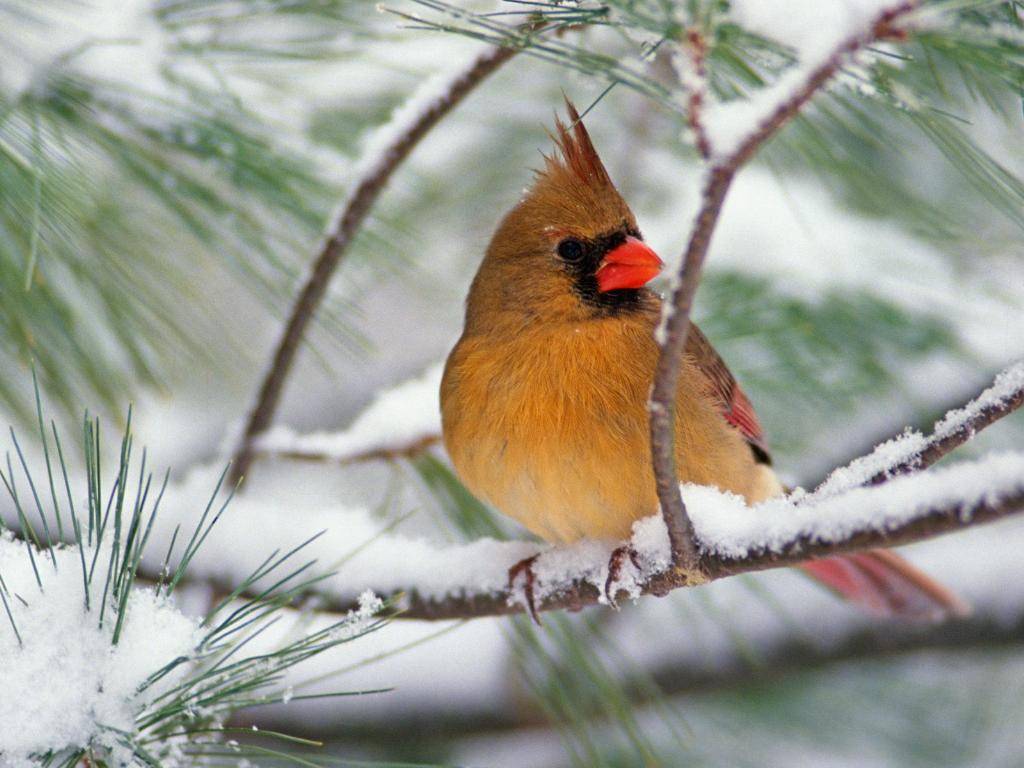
(957, 427)
(910, 451)
(936, 522)
(396, 452)
(353, 212)
(720, 176)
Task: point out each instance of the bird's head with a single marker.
(570, 248)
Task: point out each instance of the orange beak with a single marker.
(630, 265)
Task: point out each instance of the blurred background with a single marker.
(168, 169)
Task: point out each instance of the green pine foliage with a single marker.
(109, 523)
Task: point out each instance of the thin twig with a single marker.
(348, 222)
(945, 438)
(696, 88)
(720, 176)
(408, 450)
(910, 451)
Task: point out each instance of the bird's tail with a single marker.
(885, 584)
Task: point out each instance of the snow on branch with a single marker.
(691, 68)
(387, 149)
(470, 580)
(911, 451)
(733, 538)
(434, 581)
(401, 422)
(732, 134)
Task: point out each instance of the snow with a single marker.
(67, 685)
(376, 148)
(883, 458)
(588, 560)
(440, 669)
(357, 554)
(727, 527)
(814, 31)
(905, 448)
(400, 416)
(1007, 384)
(811, 28)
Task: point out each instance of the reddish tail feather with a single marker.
(885, 584)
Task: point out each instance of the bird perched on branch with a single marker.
(544, 398)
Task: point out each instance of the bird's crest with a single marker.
(576, 154)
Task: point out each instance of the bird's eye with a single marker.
(570, 250)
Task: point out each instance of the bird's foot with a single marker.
(615, 563)
(524, 569)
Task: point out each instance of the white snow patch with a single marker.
(905, 448)
(397, 417)
(66, 685)
(884, 458)
(727, 527)
(1007, 384)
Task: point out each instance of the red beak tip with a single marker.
(630, 265)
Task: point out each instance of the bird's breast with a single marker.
(552, 430)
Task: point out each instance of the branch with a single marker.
(408, 450)
(957, 427)
(482, 569)
(911, 451)
(677, 325)
(953, 500)
(352, 214)
(693, 77)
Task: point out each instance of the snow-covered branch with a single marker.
(470, 580)
(691, 67)
(910, 451)
(389, 147)
(958, 426)
(401, 422)
(758, 119)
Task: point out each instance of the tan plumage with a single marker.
(543, 399)
(546, 420)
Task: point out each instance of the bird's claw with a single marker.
(524, 568)
(615, 563)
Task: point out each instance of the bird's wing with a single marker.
(723, 387)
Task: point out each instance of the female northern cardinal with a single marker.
(544, 398)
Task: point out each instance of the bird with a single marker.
(544, 396)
